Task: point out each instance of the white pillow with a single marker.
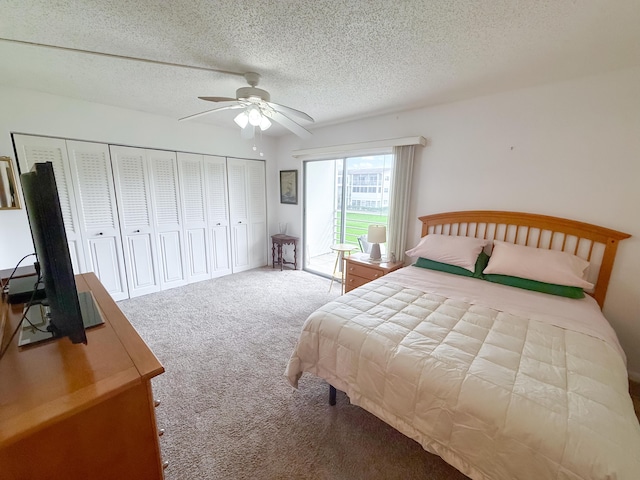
(460, 251)
(550, 266)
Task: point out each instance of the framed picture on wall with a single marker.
(289, 186)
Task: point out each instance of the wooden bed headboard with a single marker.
(596, 244)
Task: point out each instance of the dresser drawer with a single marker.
(363, 271)
(354, 281)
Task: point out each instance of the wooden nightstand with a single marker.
(360, 270)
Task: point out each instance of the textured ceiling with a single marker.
(335, 60)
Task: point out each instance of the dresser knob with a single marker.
(165, 464)
(156, 403)
(161, 432)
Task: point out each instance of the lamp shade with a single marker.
(255, 117)
(377, 234)
(264, 123)
(242, 119)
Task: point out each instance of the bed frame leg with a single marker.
(332, 395)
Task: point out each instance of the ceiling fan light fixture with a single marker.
(264, 123)
(255, 117)
(242, 119)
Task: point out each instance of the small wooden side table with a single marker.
(277, 241)
(341, 249)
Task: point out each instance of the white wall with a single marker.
(36, 113)
(569, 149)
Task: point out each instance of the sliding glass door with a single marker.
(343, 196)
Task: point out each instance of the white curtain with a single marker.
(399, 200)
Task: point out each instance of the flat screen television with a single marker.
(64, 315)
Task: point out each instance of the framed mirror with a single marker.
(9, 196)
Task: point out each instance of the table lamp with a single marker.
(376, 235)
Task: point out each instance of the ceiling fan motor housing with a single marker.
(245, 93)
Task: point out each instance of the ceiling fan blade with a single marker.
(218, 99)
(226, 107)
(290, 111)
(286, 122)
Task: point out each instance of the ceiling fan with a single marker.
(257, 110)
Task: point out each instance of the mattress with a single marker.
(501, 383)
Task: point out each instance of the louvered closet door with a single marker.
(168, 218)
(132, 182)
(98, 219)
(32, 149)
(238, 214)
(218, 214)
(192, 188)
(257, 213)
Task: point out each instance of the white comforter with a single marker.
(501, 383)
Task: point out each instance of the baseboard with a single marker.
(634, 377)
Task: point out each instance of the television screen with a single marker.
(52, 251)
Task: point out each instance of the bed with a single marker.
(502, 382)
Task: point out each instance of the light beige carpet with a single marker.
(227, 409)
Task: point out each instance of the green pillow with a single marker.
(561, 290)
(481, 263)
(525, 283)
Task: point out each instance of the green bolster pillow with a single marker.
(525, 283)
(481, 263)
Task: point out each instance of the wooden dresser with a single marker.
(360, 270)
(79, 411)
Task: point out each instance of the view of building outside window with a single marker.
(366, 195)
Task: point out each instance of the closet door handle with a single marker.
(218, 224)
(136, 231)
(100, 233)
